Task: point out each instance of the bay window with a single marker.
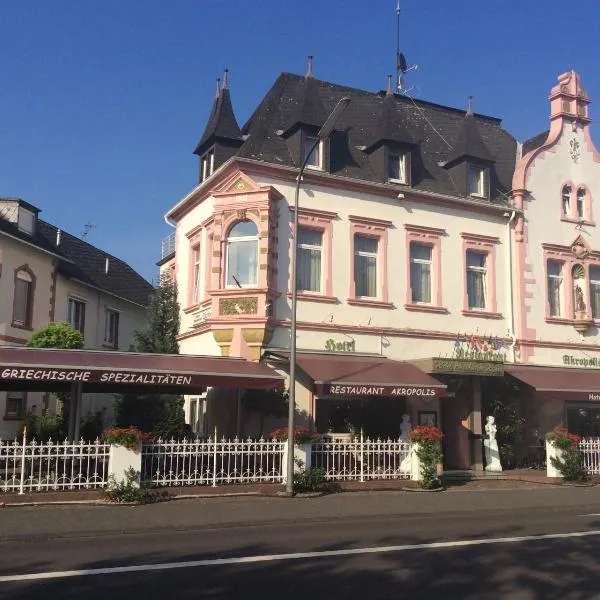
(242, 255)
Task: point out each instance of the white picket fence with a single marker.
(362, 459)
(590, 450)
(210, 462)
(51, 466)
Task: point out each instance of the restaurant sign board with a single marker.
(349, 389)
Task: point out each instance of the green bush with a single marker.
(570, 466)
(128, 489)
(43, 428)
(307, 480)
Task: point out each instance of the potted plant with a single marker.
(564, 459)
(427, 451)
(302, 445)
(125, 452)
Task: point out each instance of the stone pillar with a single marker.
(223, 337)
(476, 446)
(552, 452)
(121, 459)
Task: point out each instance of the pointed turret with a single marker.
(222, 126)
(469, 143)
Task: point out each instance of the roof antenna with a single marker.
(401, 65)
(86, 229)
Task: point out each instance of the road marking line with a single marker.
(243, 560)
(591, 515)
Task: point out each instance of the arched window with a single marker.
(23, 298)
(242, 255)
(581, 203)
(566, 201)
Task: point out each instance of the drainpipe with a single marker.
(511, 307)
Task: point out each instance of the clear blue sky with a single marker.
(102, 103)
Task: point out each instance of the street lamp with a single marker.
(323, 133)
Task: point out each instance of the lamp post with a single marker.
(323, 133)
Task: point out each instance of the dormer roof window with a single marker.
(314, 160)
(398, 167)
(477, 181)
(26, 222)
(207, 164)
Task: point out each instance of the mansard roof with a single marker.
(435, 130)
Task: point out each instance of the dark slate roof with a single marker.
(469, 143)
(84, 262)
(222, 123)
(357, 128)
(308, 108)
(535, 142)
(390, 126)
(87, 264)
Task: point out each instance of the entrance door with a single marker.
(455, 420)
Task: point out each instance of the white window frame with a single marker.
(72, 302)
(196, 273)
(593, 283)
(317, 153)
(481, 183)
(422, 262)
(566, 201)
(560, 278)
(312, 247)
(484, 271)
(363, 253)
(580, 203)
(112, 329)
(402, 158)
(228, 242)
(207, 163)
(25, 277)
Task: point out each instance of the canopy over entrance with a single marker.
(349, 375)
(50, 370)
(559, 383)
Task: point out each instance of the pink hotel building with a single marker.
(442, 265)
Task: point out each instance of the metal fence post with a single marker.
(214, 484)
(22, 482)
(362, 468)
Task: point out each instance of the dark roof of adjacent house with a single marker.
(535, 142)
(222, 123)
(435, 129)
(81, 261)
(469, 143)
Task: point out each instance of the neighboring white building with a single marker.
(415, 244)
(49, 275)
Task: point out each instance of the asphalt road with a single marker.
(483, 554)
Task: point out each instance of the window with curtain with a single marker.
(314, 158)
(15, 405)
(397, 167)
(476, 279)
(420, 273)
(23, 301)
(566, 201)
(308, 276)
(242, 255)
(365, 266)
(111, 328)
(580, 203)
(196, 274)
(555, 280)
(76, 314)
(595, 291)
(476, 181)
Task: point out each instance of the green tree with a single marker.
(162, 328)
(62, 336)
(159, 414)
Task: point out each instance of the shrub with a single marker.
(128, 489)
(43, 428)
(428, 450)
(570, 464)
(301, 435)
(130, 437)
(307, 480)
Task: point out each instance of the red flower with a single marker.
(423, 433)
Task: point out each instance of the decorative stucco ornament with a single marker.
(579, 250)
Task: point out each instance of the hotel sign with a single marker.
(333, 346)
(572, 361)
(40, 375)
(334, 389)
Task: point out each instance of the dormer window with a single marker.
(476, 181)
(314, 158)
(398, 167)
(207, 164)
(26, 221)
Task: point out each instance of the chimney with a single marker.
(309, 71)
(106, 264)
(58, 232)
(470, 105)
(389, 91)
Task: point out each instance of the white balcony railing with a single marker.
(167, 246)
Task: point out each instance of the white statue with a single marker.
(405, 427)
(490, 446)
